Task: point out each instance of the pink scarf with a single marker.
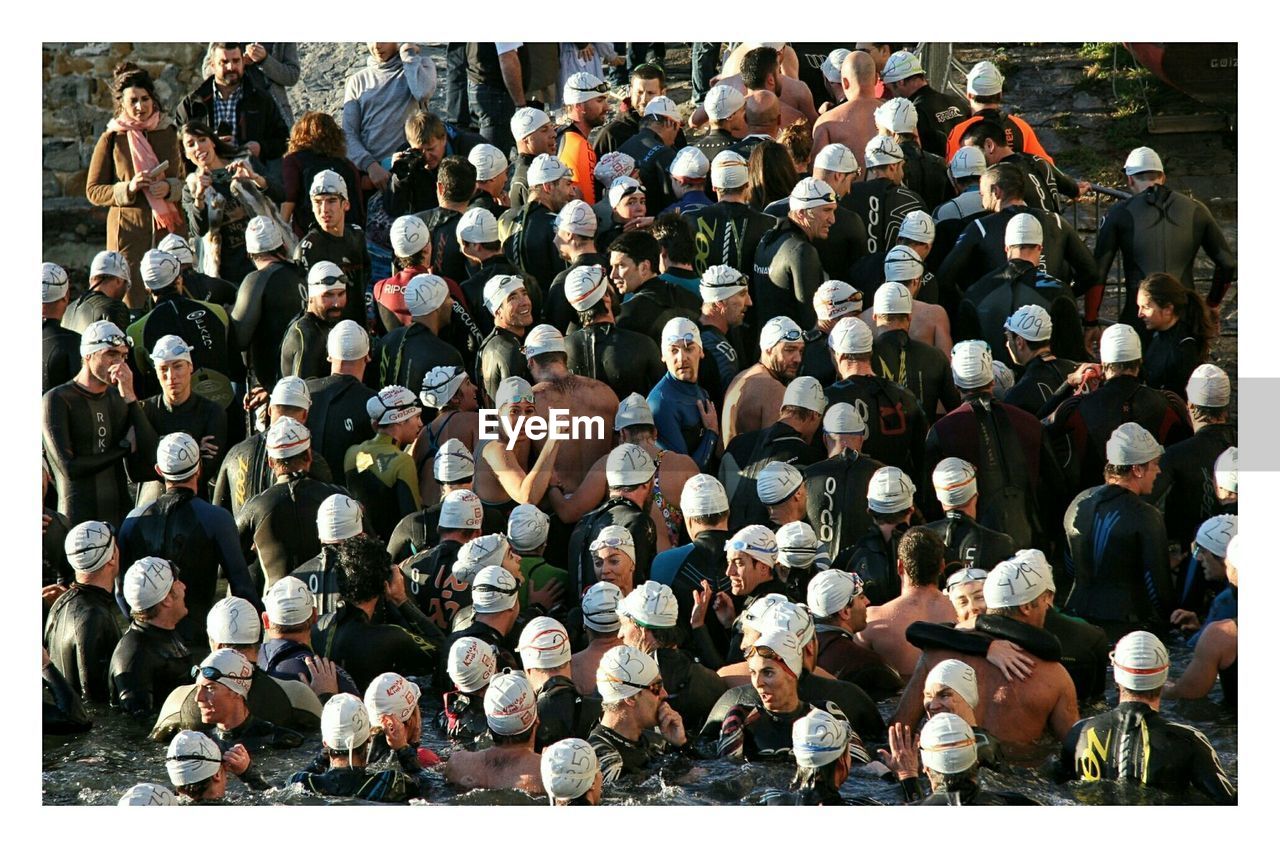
(144, 159)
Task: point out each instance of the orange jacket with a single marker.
(577, 153)
(1021, 137)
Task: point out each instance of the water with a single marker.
(97, 767)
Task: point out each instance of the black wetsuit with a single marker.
(320, 573)
(969, 544)
(882, 205)
(1020, 488)
(1186, 488)
(896, 423)
(556, 310)
(206, 328)
(1162, 230)
(384, 786)
(751, 452)
(836, 498)
(786, 273)
(692, 688)
(563, 713)
(337, 418)
(627, 360)
(530, 244)
(1086, 653)
(255, 734)
(201, 540)
(614, 511)
(349, 253)
(620, 757)
(937, 113)
(727, 233)
(1082, 423)
(721, 362)
(60, 354)
(505, 646)
(428, 577)
(1119, 562)
(148, 664)
(266, 304)
(211, 289)
(197, 417)
(53, 551)
(93, 306)
(845, 659)
(81, 634)
(949, 221)
(446, 253)
(245, 473)
(715, 141)
(278, 527)
(285, 659)
(822, 692)
(754, 734)
(268, 703)
(653, 160)
(876, 562)
(684, 568)
(1041, 378)
(925, 174)
(648, 309)
(304, 352)
(1168, 358)
(501, 356)
(973, 795)
(366, 649)
(518, 185)
(62, 711)
(1135, 742)
(989, 302)
(919, 368)
(84, 439)
(410, 351)
(462, 720)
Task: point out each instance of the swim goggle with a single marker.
(114, 340)
(655, 686)
(790, 336)
(743, 546)
(492, 588)
(683, 338)
(602, 88)
(208, 672)
(765, 652)
(329, 282)
(965, 575)
(627, 191)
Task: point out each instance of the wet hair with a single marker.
(364, 566)
(127, 75)
(817, 781)
(400, 263)
(757, 65)
(639, 246)
(588, 316)
(1118, 471)
(922, 553)
(199, 129)
(646, 429)
(673, 235)
(797, 141)
(319, 133)
(1187, 305)
(304, 627)
(1009, 179)
(984, 130)
(961, 782)
(771, 174)
(423, 126)
(290, 465)
(456, 179)
(801, 412)
(856, 357)
(501, 740)
(195, 791)
(1207, 414)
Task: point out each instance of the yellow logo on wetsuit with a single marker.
(1090, 764)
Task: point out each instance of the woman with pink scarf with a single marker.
(125, 174)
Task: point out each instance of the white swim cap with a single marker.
(228, 667)
(703, 495)
(289, 602)
(890, 490)
(614, 536)
(633, 410)
(471, 664)
(971, 364)
(393, 695)
(1226, 470)
(461, 509)
(191, 758)
(527, 528)
(624, 672)
(831, 591)
(569, 768)
(629, 465)
(1131, 444)
(510, 705)
(494, 590)
(159, 269)
(798, 545)
(958, 676)
(344, 724)
(147, 583)
(90, 545)
(1120, 343)
(287, 437)
(178, 457)
(947, 744)
(147, 795)
(650, 605)
(347, 342)
(777, 482)
(233, 621)
(1209, 386)
(819, 738)
(544, 644)
(757, 542)
(1140, 662)
(409, 235)
(600, 607)
(291, 391)
(339, 518)
(836, 299)
(453, 462)
(955, 482)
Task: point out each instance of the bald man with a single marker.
(853, 122)
(764, 120)
(795, 97)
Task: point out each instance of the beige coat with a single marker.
(131, 228)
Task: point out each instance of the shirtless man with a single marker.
(559, 389)
(1216, 649)
(754, 397)
(787, 56)
(601, 623)
(634, 425)
(853, 122)
(760, 71)
(920, 561)
(502, 480)
(1015, 711)
(511, 710)
(448, 389)
(795, 98)
(929, 321)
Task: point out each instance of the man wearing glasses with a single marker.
(635, 706)
(94, 428)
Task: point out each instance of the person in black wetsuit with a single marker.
(822, 745)
(1186, 489)
(634, 706)
(1119, 555)
(787, 269)
(490, 569)
(903, 75)
(628, 360)
(968, 543)
(286, 652)
(198, 768)
(874, 557)
(95, 429)
(1019, 481)
(200, 286)
(882, 201)
(104, 299)
(1134, 742)
(1028, 334)
(630, 473)
(648, 82)
(150, 659)
(412, 350)
(653, 148)
(277, 527)
(375, 629)
(725, 300)
(562, 712)
(223, 682)
(471, 665)
(576, 228)
(454, 470)
(535, 134)
(1082, 422)
(337, 418)
(267, 301)
(1160, 230)
(762, 733)
(923, 173)
(83, 627)
(345, 734)
(1180, 332)
(188, 531)
(334, 240)
(896, 423)
(56, 572)
(62, 711)
(839, 608)
(989, 304)
(648, 301)
(846, 241)
(178, 409)
(966, 170)
(501, 355)
(304, 349)
(60, 347)
(729, 231)
(949, 754)
(919, 368)
(528, 233)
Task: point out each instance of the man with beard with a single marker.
(305, 347)
(332, 239)
(788, 267)
(725, 299)
(585, 100)
(753, 397)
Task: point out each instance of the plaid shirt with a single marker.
(224, 109)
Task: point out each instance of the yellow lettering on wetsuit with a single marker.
(1090, 764)
(702, 244)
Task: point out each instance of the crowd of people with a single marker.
(862, 433)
